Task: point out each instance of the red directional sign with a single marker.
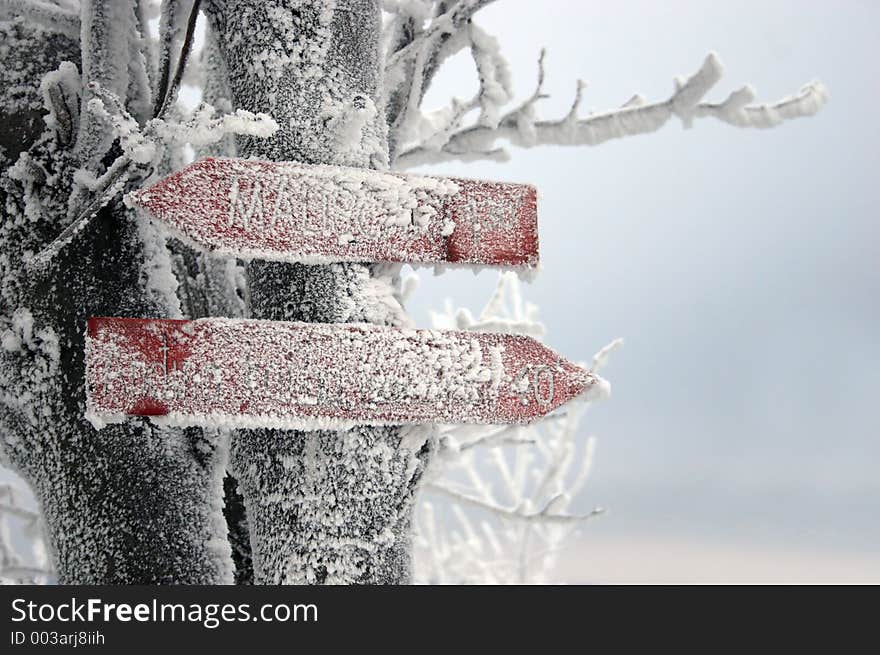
(236, 372)
(318, 214)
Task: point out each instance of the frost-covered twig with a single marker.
(735, 110)
(544, 515)
(509, 489)
(519, 126)
(109, 33)
(202, 127)
(106, 31)
(141, 151)
(61, 97)
(177, 25)
(415, 55)
(510, 434)
(104, 189)
(520, 318)
(600, 359)
(448, 18)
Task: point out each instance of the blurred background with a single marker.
(742, 267)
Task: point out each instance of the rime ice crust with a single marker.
(265, 374)
(318, 214)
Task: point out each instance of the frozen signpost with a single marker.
(288, 375)
(247, 373)
(294, 212)
(311, 376)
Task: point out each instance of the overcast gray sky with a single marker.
(741, 266)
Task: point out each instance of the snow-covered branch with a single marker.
(546, 514)
(509, 489)
(115, 104)
(61, 97)
(600, 359)
(108, 35)
(521, 128)
(99, 191)
(518, 318)
(422, 36)
(106, 31)
(202, 127)
(177, 24)
(447, 19)
(142, 150)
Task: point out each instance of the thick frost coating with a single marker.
(334, 507)
(315, 69)
(27, 53)
(321, 214)
(297, 375)
(137, 504)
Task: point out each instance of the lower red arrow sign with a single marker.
(237, 372)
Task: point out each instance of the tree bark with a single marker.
(133, 503)
(323, 507)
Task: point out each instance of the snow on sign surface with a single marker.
(319, 214)
(234, 372)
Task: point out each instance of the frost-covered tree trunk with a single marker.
(323, 507)
(132, 503)
(88, 111)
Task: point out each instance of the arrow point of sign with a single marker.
(574, 385)
(581, 384)
(544, 380)
(593, 387)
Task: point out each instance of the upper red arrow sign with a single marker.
(318, 214)
(311, 376)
